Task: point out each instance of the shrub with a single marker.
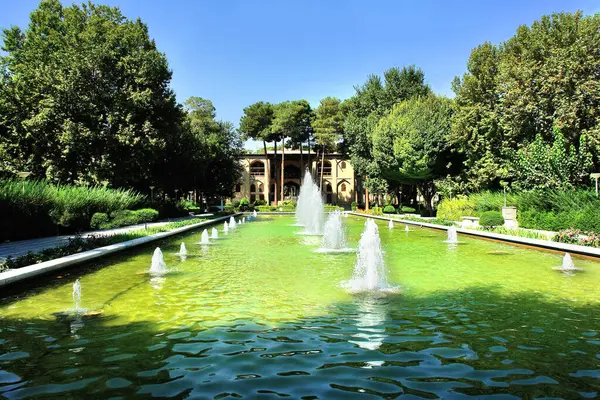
(353, 206)
(406, 209)
(146, 215)
(454, 209)
(276, 208)
(236, 203)
(389, 209)
(377, 210)
(260, 202)
(244, 204)
(98, 220)
(491, 219)
(288, 203)
(435, 221)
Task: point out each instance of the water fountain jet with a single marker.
(369, 271)
(158, 265)
(452, 235)
(309, 209)
(214, 233)
(225, 227)
(334, 235)
(567, 264)
(77, 294)
(391, 224)
(232, 223)
(204, 237)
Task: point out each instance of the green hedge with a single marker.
(490, 219)
(552, 210)
(121, 218)
(389, 209)
(587, 219)
(36, 208)
(287, 208)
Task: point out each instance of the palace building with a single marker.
(261, 177)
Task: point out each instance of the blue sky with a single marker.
(241, 51)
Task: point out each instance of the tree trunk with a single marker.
(322, 165)
(276, 173)
(427, 190)
(301, 164)
(309, 163)
(267, 175)
(282, 165)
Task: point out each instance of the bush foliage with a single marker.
(490, 219)
(389, 209)
(551, 210)
(123, 218)
(36, 208)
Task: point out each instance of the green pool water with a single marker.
(259, 314)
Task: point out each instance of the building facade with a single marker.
(261, 177)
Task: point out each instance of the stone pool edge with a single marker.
(544, 244)
(31, 271)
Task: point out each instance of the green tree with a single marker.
(328, 127)
(475, 129)
(411, 143)
(256, 124)
(85, 97)
(551, 164)
(363, 111)
(545, 76)
(292, 119)
(210, 150)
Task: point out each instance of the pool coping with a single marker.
(538, 243)
(31, 271)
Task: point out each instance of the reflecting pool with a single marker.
(259, 313)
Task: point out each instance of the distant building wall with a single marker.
(259, 181)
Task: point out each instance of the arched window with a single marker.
(343, 165)
(329, 188)
(343, 187)
(256, 191)
(238, 188)
(326, 168)
(257, 168)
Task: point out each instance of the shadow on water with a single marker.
(475, 342)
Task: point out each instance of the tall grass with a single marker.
(37, 208)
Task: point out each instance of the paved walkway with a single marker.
(21, 247)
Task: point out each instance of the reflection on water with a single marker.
(157, 282)
(369, 323)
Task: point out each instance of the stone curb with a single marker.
(19, 274)
(543, 244)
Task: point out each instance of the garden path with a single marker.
(21, 247)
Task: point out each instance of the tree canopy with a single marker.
(546, 77)
(85, 98)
